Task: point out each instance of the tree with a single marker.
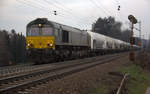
(17, 47)
(112, 28)
(4, 52)
(12, 47)
(108, 26)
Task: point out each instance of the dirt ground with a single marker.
(87, 81)
(143, 60)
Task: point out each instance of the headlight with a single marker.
(30, 45)
(50, 44)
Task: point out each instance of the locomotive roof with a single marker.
(53, 24)
(39, 21)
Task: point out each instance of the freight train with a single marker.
(48, 41)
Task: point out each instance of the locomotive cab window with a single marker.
(33, 31)
(47, 31)
(65, 36)
(36, 31)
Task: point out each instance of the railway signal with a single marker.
(133, 21)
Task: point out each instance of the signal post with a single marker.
(133, 21)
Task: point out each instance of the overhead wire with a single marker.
(105, 10)
(31, 5)
(50, 3)
(97, 6)
(109, 12)
(67, 12)
(41, 9)
(62, 5)
(103, 7)
(25, 4)
(119, 14)
(69, 9)
(62, 8)
(64, 11)
(125, 4)
(119, 4)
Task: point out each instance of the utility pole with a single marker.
(140, 40)
(140, 30)
(149, 43)
(143, 42)
(133, 21)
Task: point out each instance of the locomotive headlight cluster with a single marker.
(30, 45)
(50, 45)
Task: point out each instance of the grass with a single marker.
(100, 90)
(138, 82)
(139, 79)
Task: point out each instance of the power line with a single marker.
(106, 11)
(62, 9)
(28, 4)
(131, 8)
(41, 9)
(61, 4)
(124, 4)
(96, 5)
(103, 7)
(118, 13)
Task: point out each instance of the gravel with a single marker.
(87, 81)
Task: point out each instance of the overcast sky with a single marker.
(16, 14)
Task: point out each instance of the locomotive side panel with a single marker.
(70, 36)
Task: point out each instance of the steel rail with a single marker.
(61, 72)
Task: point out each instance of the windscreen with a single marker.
(47, 31)
(36, 31)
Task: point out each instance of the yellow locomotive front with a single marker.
(39, 37)
(40, 41)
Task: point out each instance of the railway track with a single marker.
(22, 68)
(18, 69)
(21, 82)
(26, 68)
(15, 69)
